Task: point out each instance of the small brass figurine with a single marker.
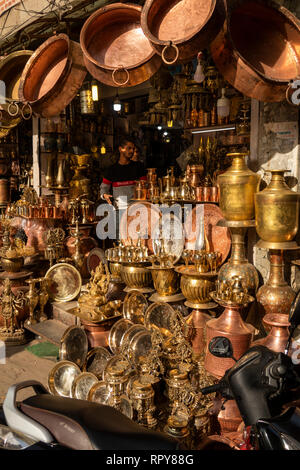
(11, 333)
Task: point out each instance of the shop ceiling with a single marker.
(30, 22)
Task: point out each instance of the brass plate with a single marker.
(65, 282)
(116, 333)
(117, 363)
(99, 393)
(74, 345)
(96, 361)
(129, 336)
(139, 347)
(134, 307)
(161, 316)
(61, 377)
(82, 384)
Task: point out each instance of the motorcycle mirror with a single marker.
(294, 319)
(220, 346)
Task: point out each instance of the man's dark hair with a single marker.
(124, 140)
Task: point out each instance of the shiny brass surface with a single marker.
(82, 385)
(119, 60)
(136, 277)
(52, 76)
(64, 282)
(32, 298)
(134, 307)
(73, 345)
(12, 265)
(115, 269)
(277, 210)
(61, 377)
(252, 66)
(237, 187)
(196, 286)
(276, 296)
(165, 280)
(189, 25)
(11, 302)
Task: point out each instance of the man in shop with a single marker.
(119, 179)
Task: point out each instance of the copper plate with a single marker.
(139, 217)
(74, 345)
(116, 333)
(82, 384)
(96, 361)
(134, 306)
(95, 256)
(218, 237)
(61, 377)
(65, 282)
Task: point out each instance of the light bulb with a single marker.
(170, 123)
(117, 106)
(95, 91)
(102, 149)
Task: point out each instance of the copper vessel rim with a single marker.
(144, 17)
(273, 319)
(90, 20)
(36, 56)
(280, 10)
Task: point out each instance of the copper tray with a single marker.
(65, 282)
(74, 345)
(116, 51)
(61, 377)
(218, 237)
(139, 217)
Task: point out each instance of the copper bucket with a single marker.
(258, 49)
(52, 76)
(179, 29)
(116, 51)
(11, 68)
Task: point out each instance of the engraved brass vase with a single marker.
(237, 187)
(165, 280)
(277, 210)
(196, 286)
(136, 277)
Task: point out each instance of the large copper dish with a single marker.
(52, 76)
(189, 25)
(258, 49)
(116, 51)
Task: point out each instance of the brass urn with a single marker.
(196, 286)
(237, 187)
(277, 210)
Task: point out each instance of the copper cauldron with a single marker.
(179, 29)
(52, 76)
(257, 51)
(116, 51)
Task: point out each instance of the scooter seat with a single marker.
(83, 425)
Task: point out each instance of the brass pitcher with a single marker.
(277, 210)
(237, 187)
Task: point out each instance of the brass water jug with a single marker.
(237, 187)
(277, 210)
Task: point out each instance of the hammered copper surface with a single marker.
(138, 221)
(258, 49)
(218, 237)
(279, 334)
(116, 51)
(52, 76)
(189, 24)
(197, 321)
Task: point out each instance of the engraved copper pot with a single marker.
(230, 325)
(116, 51)
(276, 296)
(196, 171)
(237, 187)
(279, 333)
(277, 210)
(179, 29)
(197, 321)
(52, 76)
(257, 50)
(229, 417)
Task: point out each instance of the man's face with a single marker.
(127, 151)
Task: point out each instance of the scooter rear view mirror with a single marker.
(220, 346)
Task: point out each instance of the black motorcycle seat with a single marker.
(83, 425)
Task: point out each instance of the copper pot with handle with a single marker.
(258, 49)
(52, 76)
(116, 51)
(179, 29)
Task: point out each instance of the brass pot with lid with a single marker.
(277, 210)
(237, 187)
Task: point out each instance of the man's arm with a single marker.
(105, 189)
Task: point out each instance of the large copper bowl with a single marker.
(52, 76)
(189, 25)
(257, 51)
(116, 51)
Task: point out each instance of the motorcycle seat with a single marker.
(83, 425)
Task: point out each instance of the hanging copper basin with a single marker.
(179, 29)
(116, 51)
(52, 76)
(258, 49)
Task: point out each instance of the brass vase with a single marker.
(237, 187)
(115, 269)
(276, 296)
(279, 333)
(165, 280)
(238, 264)
(277, 210)
(136, 277)
(196, 286)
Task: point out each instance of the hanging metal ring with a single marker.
(114, 73)
(170, 45)
(29, 115)
(10, 107)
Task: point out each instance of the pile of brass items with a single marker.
(92, 304)
(202, 260)
(54, 240)
(11, 333)
(13, 253)
(233, 292)
(82, 210)
(37, 297)
(80, 183)
(128, 253)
